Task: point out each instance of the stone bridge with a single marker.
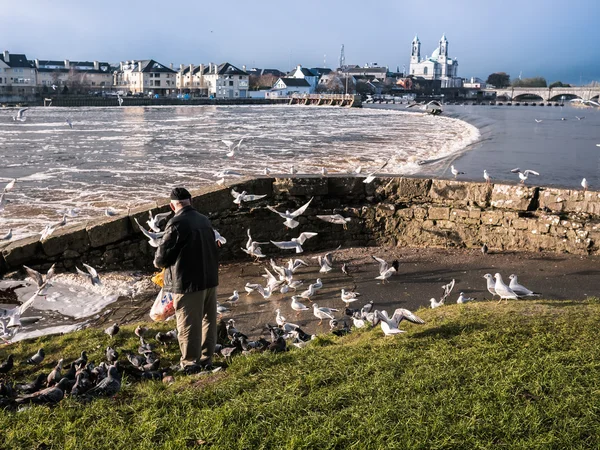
(549, 94)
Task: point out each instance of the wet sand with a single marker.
(421, 276)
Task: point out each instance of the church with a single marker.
(438, 66)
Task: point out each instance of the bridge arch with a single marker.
(566, 97)
(530, 97)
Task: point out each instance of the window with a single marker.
(231, 83)
(425, 71)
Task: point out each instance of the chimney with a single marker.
(181, 68)
(171, 66)
(96, 65)
(37, 63)
(121, 66)
(201, 69)
(67, 64)
(244, 67)
(140, 66)
(6, 56)
(215, 67)
(191, 70)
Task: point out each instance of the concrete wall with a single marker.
(389, 211)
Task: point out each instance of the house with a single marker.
(87, 74)
(337, 83)
(226, 81)
(368, 72)
(312, 78)
(285, 87)
(147, 77)
(17, 74)
(190, 80)
(474, 83)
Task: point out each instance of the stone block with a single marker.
(516, 198)
(385, 209)
(438, 213)
(474, 213)
(301, 186)
(460, 193)
(405, 213)
(69, 237)
(22, 252)
(420, 212)
(345, 186)
(107, 231)
(217, 201)
(491, 217)
(520, 224)
(457, 214)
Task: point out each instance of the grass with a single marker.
(522, 375)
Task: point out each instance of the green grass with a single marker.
(522, 375)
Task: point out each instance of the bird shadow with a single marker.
(449, 330)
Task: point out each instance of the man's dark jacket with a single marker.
(188, 251)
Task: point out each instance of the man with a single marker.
(188, 252)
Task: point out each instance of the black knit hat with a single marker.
(180, 193)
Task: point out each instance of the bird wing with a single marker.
(35, 276)
(229, 144)
(270, 208)
(284, 244)
(160, 217)
(91, 270)
(301, 210)
(81, 272)
(50, 273)
(235, 193)
(533, 172)
(253, 197)
(402, 313)
(148, 234)
(517, 170)
(383, 265)
(304, 236)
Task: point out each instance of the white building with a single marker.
(226, 81)
(474, 83)
(17, 74)
(145, 76)
(285, 87)
(311, 76)
(89, 74)
(438, 66)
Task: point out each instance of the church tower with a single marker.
(443, 55)
(416, 51)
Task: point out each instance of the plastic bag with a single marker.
(163, 307)
(159, 278)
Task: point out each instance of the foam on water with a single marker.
(123, 157)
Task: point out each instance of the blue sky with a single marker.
(557, 40)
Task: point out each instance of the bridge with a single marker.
(548, 94)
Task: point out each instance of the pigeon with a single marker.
(109, 386)
(140, 331)
(37, 358)
(112, 330)
(7, 365)
(455, 172)
(35, 385)
(155, 221)
(166, 338)
(55, 376)
(82, 385)
(111, 355)
(295, 243)
(290, 217)
(92, 274)
(82, 360)
(136, 360)
(521, 291)
(48, 396)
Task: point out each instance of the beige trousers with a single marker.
(196, 315)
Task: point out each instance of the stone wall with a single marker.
(389, 211)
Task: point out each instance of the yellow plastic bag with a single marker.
(159, 278)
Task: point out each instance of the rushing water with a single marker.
(121, 157)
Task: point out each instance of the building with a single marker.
(146, 76)
(190, 80)
(87, 75)
(17, 75)
(285, 87)
(370, 72)
(474, 83)
(438, 66)
(311, 77)
(226, 81)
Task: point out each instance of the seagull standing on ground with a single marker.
(486, 177)
(323, 313)
(490, 284)
(68, 122)
(455, 172)
(503, 290)
(521, 291)
(584, 184)
(463, 299)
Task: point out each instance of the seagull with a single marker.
(232, 147)
(584, 184)
(279, 318)
(266, 171)
(226, 173)
(2, 201)
(371, 176)
(309, 292)
(317, 285)
(221, 309)
(46, 232)
(20, 115)
(323, 313)
(110, 212)
(490, 284)
(349, 296)
(38, 279)
(447, 290)
(435, 304)
(580, 118)
(295, 243)
(538, 120)
(337, 219)
(325, 267)
(297, 306)
(220, 240)
(486, 177)
(520, 290)
(238, 197)
(253, 247)
(385, 275)
(323, 171)
(345, 269)
(7, 236)
(293, 170)
(463, 299)
(523, 175)
(120, 100)
(484, 249)
(234, 298)
(68, 122)
(10, 185)
(389, 325)
(69, 212)
(290, 216)
(455, 172)
(54, 87)
(155, 221)
(502, 289)
(153, 238)
(92, 274)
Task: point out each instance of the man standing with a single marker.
(188, 252)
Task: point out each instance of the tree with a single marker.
(530, 82)
(559, 84)
(499, 79)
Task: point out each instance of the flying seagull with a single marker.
(153, 238)
(20, 117)
(155, 221)
(524, 174)
(337, 219)
(290, 216)
(295, 243)
(91, 273)
(232, 147)
(371, 176)
(239, 197)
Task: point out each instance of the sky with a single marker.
(555, 40)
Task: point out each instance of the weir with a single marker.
(395, 211)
